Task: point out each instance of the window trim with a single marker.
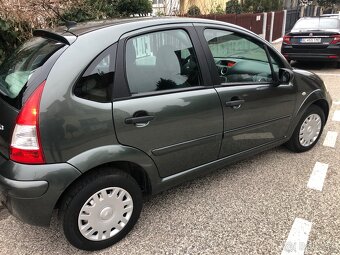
(162, 92)
(201, 27)
(251, 39)
(122, 90)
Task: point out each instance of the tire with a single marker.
(298, 142)
(107, 199)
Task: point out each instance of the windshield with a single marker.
(323, 23)
(16, 70)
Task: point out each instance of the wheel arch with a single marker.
(315, 98)
(322, 103)
(133, 161)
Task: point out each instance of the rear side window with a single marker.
(161, 61)
(17, 69)
(97, 80)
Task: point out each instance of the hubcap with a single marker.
(105, 214)
(310, 130)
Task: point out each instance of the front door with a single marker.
(256, 112)
(170, 114)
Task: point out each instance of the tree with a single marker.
(194, 10)
(233, 6)
(263, 5)
(91, 10)
(328, 3)
(217, 10)
(132, 7)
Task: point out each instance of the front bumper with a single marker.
(30, 192)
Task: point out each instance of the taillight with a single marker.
(336, 39)
(25, 145)
(286, 39)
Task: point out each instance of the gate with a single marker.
(292, 17)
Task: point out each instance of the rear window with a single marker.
(323, 23)
(16, 70)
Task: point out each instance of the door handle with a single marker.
(141, 121)
(235, 104)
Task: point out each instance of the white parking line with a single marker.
(298, 237)
(318, 176)
(329, 74)
(336, 116)
(330, 139)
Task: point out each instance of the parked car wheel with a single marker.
(101, 209)
(308, 131)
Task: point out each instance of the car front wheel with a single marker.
(308, 130)
(101, 209)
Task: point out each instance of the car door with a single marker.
(257, 111)
(170, 109)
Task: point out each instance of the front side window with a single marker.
(161, 61)
(237, 58)
(95, 84)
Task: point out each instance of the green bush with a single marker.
(132, 7)
(262, 6)
(194, 10)
(218, 10)
(233, 7)
(91, 10)
(11, 36)
(14, 31)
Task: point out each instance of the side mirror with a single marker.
(285, 76)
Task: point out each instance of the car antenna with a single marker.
(68, 23)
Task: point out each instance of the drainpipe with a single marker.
(271, 27)
(284, 22)
(264, 27)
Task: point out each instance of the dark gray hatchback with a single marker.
(96, 117)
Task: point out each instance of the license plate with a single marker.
(310, 40)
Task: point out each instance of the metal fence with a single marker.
(270, 25)
(253, 22)
(259, 23)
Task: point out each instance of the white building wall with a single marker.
(165, 7)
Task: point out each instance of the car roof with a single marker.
(321, 17)
(118, 27)
(330, 15)
(87, 27)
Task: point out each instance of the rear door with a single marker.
(20, 74)
(256, 112)
(170, 111)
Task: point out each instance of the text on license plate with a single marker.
(310, 40)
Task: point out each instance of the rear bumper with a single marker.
(331, 53)
(30, 192)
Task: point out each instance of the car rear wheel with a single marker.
(308, 130)
(101, 209)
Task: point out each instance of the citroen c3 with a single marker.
(95, 117)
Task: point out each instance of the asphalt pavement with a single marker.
(262, 205)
